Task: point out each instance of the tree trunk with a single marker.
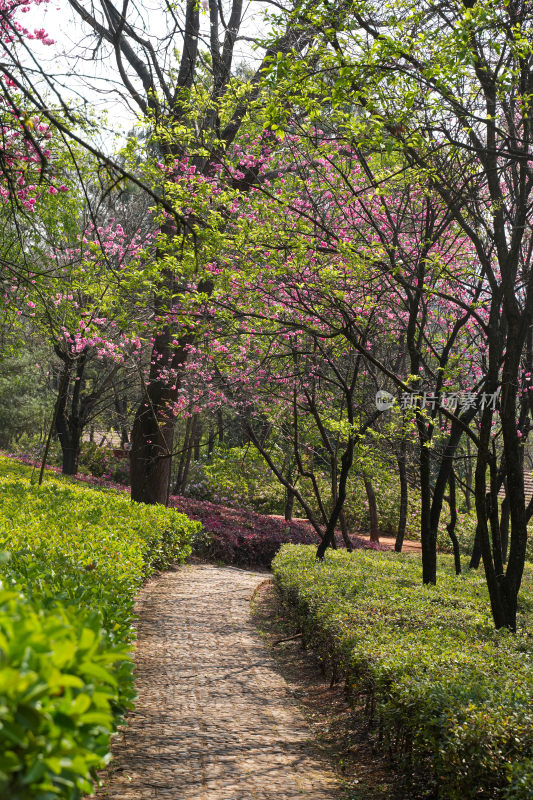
(504, 527)
(475, 558)
(189, 453)
(69, 433)
(443, 478)
(289, 505)
(504, 587)
(344, 530)
(404, 498)
(427, 535)
(71, 454)
(70, 417)
(452, 523)
(151, 445)
(197, 437)
(121, 408)
(210, 441)
(63, 387)
(469, 476)
(372, 510)
(153, 428)
(185, 449)
(494, 580)
(329, 535)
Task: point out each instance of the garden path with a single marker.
(214, 720)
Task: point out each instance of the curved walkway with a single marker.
(213, 719)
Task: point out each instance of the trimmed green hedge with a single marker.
(72, 562)
(452, 696)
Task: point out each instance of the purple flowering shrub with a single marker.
(245, 538)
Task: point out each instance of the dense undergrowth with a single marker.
(449, 695)
(72, 561)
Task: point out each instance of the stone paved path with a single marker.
(213, 719)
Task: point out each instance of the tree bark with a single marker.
(289, 505)
(504, 527)
(344, 531)
(452, 523)
(329, 535)
(153, 428)
(372, 510)
(197, 437)
(427, 535)
(404, 498)
(70, 417)
(475, 558)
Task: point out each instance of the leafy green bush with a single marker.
(58, 687)
(387, 488)
(466, 532)
(236, 476)
(102, 463)
(94, 459)
(451, 694)
(75, 560)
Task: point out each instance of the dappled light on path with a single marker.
(214, 720)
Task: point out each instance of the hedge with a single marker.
(72, 560)
(450, 695)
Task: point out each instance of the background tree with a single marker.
(448, 86)
(196, 107)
